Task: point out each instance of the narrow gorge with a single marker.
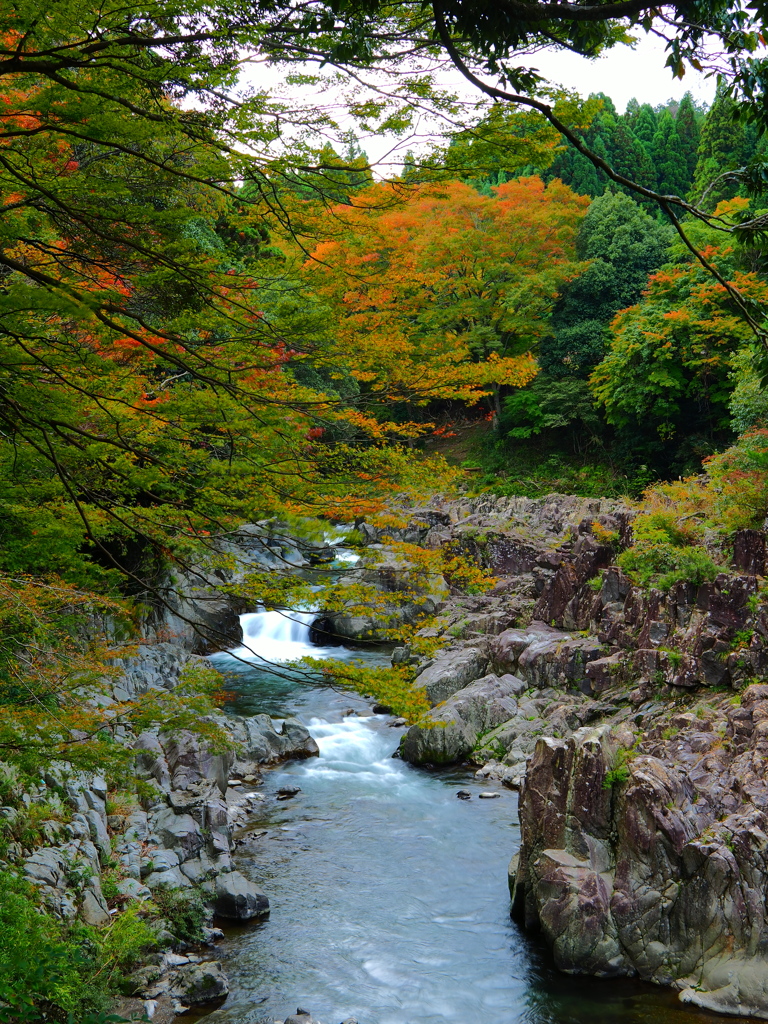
(359, 867)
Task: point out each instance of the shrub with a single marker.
(184, 911)
(662, 564)
(45, 967)
(666, 549)
(58, 972)
(618, 774)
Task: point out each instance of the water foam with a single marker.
(276, 635)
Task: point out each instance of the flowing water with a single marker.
(388, 894)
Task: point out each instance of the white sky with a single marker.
(625, 72)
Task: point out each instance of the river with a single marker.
(388, 894)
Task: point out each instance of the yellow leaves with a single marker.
(56, 680)
(392, 687)
(460, 282)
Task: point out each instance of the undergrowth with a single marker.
(61, 972)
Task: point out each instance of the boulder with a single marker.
(238, 899)
(262, 742)
(93, 910)
(453, 727)
(451, 671)
(195, 984)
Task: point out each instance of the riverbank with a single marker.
(641, 788)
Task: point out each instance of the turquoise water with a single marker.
(389, 895)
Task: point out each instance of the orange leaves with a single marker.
(441, 291)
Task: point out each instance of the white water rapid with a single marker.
(276, 635)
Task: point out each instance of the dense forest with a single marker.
(210, 315)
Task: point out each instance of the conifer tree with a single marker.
(689, 132)
(665, 149)
(645, 126)
(721, 149)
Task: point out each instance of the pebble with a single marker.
(489, 796)
(464, 794)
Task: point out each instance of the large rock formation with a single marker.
(655, 862)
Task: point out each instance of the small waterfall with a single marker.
(276, 635)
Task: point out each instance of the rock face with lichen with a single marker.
(653, 861)
(639, 737)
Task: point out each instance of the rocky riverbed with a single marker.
(636, 727)
(633, 722)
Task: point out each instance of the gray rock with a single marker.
(238, 899)
(286, 792)
(94, 910)
(195, 984)
(178, 832)
(169, 878)
(134, 889)
(451, 671)
(262, 743)
(99, 834)
(452, 728)
(190, 762)
(47, 866)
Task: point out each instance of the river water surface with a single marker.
(388, 894)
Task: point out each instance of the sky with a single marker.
(623, 73)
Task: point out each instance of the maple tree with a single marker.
(445, 293)
(671, 355)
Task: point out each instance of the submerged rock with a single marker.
(286, 792)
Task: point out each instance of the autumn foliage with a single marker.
(442, 292)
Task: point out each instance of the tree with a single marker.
(448, 292)
(666, 150)
(671, 355)
(645, 126)
(688, 132)
(720, 153)
(623, 245)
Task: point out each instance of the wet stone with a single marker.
(286, 792)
